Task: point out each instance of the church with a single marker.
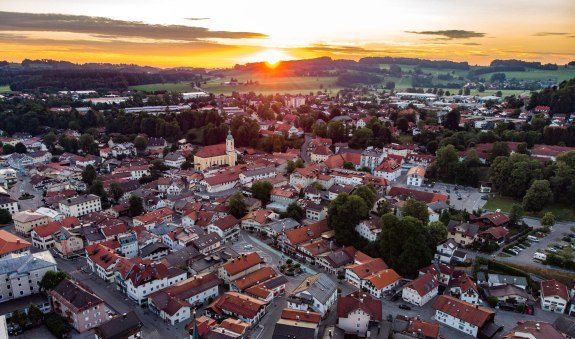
(215, 155)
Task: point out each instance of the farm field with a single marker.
(4, 88)
(169, 86)
(272, 85)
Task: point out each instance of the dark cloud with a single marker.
(471, 44)
(160, 48)
(354, 50)
(13, 21)
(549, 34)
(451, 34)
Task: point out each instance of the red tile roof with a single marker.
(552, 288)
(11, 243)
(242, 263)
(472, 314)
(303, 316)
(361, 301)
(303, 234)
(424, 284)
(237, 303)
(212, 151)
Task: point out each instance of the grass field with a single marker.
(272, 85)
(561, 212)
(179, 87)
(4, 88)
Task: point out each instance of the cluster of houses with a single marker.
(177, 255)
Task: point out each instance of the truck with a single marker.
(540, 256)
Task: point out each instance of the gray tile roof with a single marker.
(20, 264)
(320, 286)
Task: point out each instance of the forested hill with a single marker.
(51, 75)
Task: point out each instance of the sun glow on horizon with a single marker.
(271, 57)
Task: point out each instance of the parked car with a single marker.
(405, 307)
(552, 250)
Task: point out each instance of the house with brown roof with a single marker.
(240, 266)
(239, 306)
(139, 278)
(228, 228)
(463, 287)
(416, 176)
(102, 261)
(356, 311)
(293, 239)
(554, 296)
(78, 306)
(357, 272)
(421, 290)
(174, 303)
(495, 234)
(462, 233)
(151, 219)
(534, 329)
(12, 244)
(473, 320)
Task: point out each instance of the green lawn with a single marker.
(4, 88)
(179, 87)
(561, 212)
(266, 85)
(272, 85)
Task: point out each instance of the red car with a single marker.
(520, 322)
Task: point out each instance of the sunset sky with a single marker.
(222, 33)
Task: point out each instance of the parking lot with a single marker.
(548, 244)
(460, 197)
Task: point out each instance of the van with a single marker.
(533, 238)
(540, 256)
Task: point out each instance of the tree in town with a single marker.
(437, 231)
(262, 190)
(86, 142)
(19, 318)
(89, 174)
(237, 205)
(344, 213)
(405, 244)
(245, 130)
(416, 209)
(136, 206)
(299, 163)
(140, 143)
(384, 207)
(116, 191)
(336, 131)
(516, 214)
(445, 161)
(20, 148)
(537, 196)
(5, 217)
(51, 279)
(49, 139)
(452, 119)
(367, 193)
(548, 219)
(35, 315)
(361, 138)
(294, 211)
(56, 325)
(8, 149)
(290, 167)
(97, 188)
(348, 165)
(499, 149)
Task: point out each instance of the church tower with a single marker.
(230, 149)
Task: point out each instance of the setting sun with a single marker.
(270, 56)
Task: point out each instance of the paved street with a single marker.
(23, 186)
(304, 155)
(153, 325)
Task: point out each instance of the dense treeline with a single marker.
(494, 69)
(521, 63)
(561, 100)
(416, 62)
(50, 76)
(56, 80)
(352, 79)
